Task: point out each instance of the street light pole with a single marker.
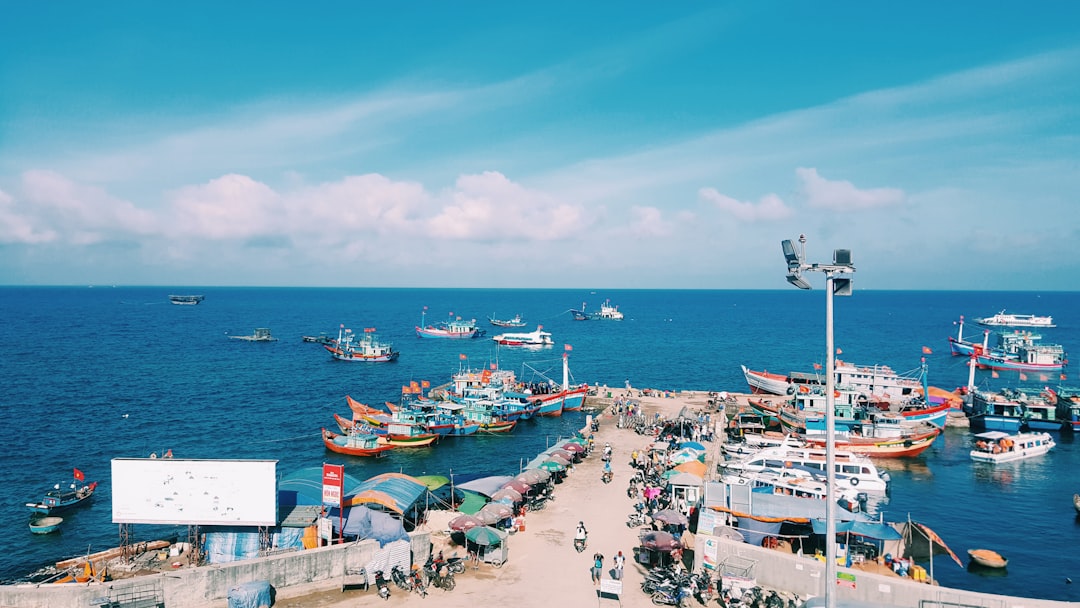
(836, 282)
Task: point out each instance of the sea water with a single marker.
(89, 374)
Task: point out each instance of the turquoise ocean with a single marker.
(88, 374)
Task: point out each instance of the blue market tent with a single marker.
(869, 529)
(402, 491)
(485, 485)
(364, 523)
(304, 487)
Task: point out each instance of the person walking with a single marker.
(620, 561)
(598, 567)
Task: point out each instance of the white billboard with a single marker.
(194, 492)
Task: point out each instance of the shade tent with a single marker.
(494, 512)
(473, 502)
(869, 529)
(462, 523)
(403, 491)
(364, 523)
(693, 445)
(686, 455)
(510, 493)
(517, 485)
(485, 536)
(486, 485)
(433, 482)
(685, 479)
(694, 467)
(559, 459)
(549, 465)
(660, 541)
(573, 447)
(533, 476)
(671, 517)
(304, 487)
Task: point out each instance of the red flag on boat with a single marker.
(839, 352)
(1063, 376)
(567, 347)
(79, 475)
(425, 384)
(495, 366)
(462, 356)
(994, 374)
(1044, 378)
(1023, 376)
(926, 350)
(369, 330)
(414, 385)
(817, 366)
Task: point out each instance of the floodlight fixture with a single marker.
(796, 279)
(842, 257)
(792, 254)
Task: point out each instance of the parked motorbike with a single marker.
(382, 585)
(635, 519)
(400, 578)
(579, 544)
(606, 477)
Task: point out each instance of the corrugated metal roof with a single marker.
(298, 516)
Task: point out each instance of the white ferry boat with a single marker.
(532, 338)
(1002, 319)
(998, 446)
(186, 300)
(607, 311)
(851, 469)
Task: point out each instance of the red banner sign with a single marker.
(333, 484)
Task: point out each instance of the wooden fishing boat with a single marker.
(396, 434)
(1076, 503)
(354, 444)
(512, 322)
(987, 558)
(898, 447)
(349, 347)
(453, 328)
(45, 525)
(61, 499)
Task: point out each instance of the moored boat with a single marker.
(45, 525)
(988, 558)
(874, 447)
(453, 328)
(607, 311)
(1076, 503)
(532, 338)
(60, 499)
(514, 321)
(367, 348)
(355, 444)
(996, 446)
(1003, 319)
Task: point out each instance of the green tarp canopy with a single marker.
(473, 502)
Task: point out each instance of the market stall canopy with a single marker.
(304, 487)
(462, 523)
(685, 479)
(494, 512)
(553, 467)
(692, 444)
(404, 491)
(671, 517)
(486, 485)
(567, 454)
(364, 523)
(694, 467)
(868, 529)
(559, 459)
(433, 482)
(686, 455)
(659, 541)
(576, 448)
(510, 493)
(473, 502)
(533, 476)
(485, 535)
(517, 485)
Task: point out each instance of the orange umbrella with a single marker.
(694, 467)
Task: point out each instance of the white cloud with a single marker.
(842, 195)
(649, 222)
(490, 207)
(770, 207)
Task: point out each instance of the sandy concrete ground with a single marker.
(543, 568)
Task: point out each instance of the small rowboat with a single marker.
(987, 558)
(45, 525)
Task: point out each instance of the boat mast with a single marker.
(565, 371)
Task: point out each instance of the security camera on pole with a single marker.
(837, 282)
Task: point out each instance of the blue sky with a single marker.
(592, 145)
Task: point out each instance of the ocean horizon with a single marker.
(103, 372)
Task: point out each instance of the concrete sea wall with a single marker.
(210, 584)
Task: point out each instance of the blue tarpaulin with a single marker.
(364, 523)
(868, 529)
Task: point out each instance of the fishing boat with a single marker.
(996, 411)
(553, 399)
(45, 525)
(580, 315)
(1003, 319)
(1076, 503)
(959, 347)
(368, 348)
(186, 300)
(355, 444)
(873, 384)
(453, 328)
(996, 446)
(1035, 357)
(532, 338)
(875, 447)
(262, 334)
(607, 311)
(987, 558)
(60, 499)
(399, 434)
(514, 321)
